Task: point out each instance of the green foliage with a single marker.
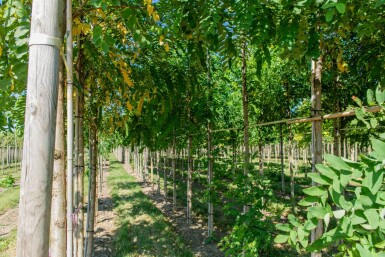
(7, 181)
(250, 236)
(349, 199)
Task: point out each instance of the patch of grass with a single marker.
(142, 229)
(9, 198)
(7, 242)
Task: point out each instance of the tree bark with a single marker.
(173, 174)
(58, 210)
(189, 180)
(39, 131)
(316, 133)
(92, 191)
(210, 181)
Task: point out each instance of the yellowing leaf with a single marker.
(140, 105)
(147, 2)
(161, 40)
(150, 9)
(1, 50)
(12, 87)
(342, 66)
(167, 47)
(129, 106)
(155, 16)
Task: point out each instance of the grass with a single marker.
(142, 229)
(6, 243)
(9, 198)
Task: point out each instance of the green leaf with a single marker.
(314, 191)
(311, 224)
(97, 35)
(380, 95)
(293, 220)
(326, 171)
(329, 15)
(318, 211)
(339, 214)
(307, 201)
(370, 97)
(283, 227)
(336, 162)
(105, 47)
(280, 239)
(373, 218)
(322, 180)
(380, 245)
(341, 8)
(379, 3)
(379, 148)
(363, 252)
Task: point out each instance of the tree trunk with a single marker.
(245, 104)
(92, 191)
(316, 133)
(165, 157)
(210, 181)
(79, 194)
(173, 174)
(157, 172)
(39, 130)
(281, 156)
(189, 180)
(58, 210)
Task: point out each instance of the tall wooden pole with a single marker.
(316, 132)
(39, 129)
(70, 133)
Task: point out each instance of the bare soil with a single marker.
(8, 223)
(195, 234)
(105, 223)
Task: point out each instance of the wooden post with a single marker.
(316, 133)
(39, 129)
(157, 172)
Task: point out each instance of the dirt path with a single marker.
(194, 235)
(8, 221)
(105, 226)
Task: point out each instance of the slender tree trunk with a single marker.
(316, 133)
(189, 180)
(210, 181)
(261, 154)
(157, 172)
(165, 157)
(245, 103)
(92, 192)
(39, 130)
(79, 194)
(152, 170)
(281, 156)
(58, 210)
(173, 174)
